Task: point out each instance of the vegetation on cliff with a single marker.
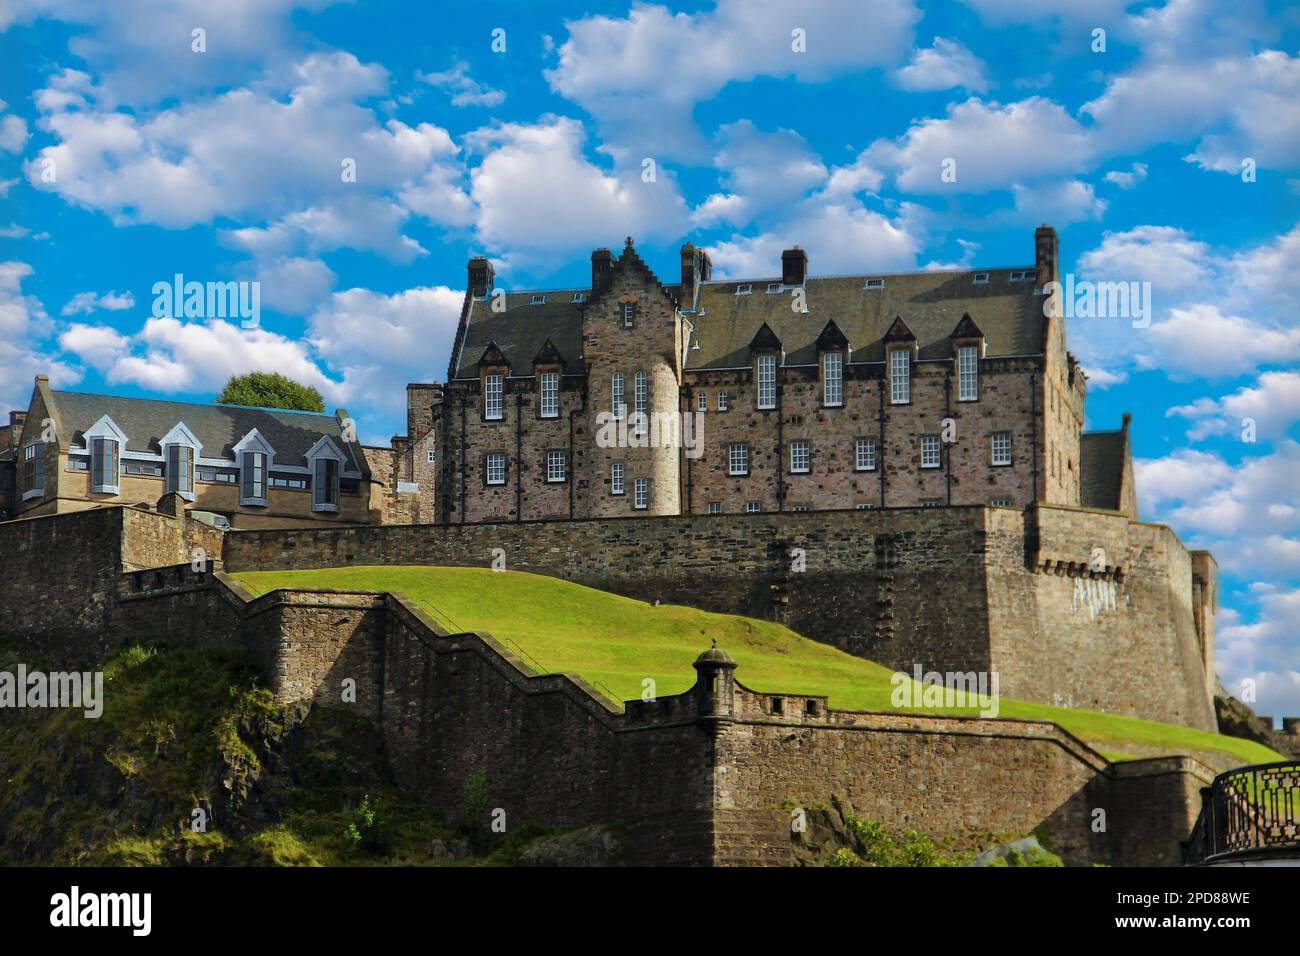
(618, 643)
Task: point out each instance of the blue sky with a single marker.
(126, 157)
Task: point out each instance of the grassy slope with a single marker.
(619, 642)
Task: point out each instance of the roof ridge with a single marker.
(173, 401)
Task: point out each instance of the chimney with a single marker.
(16, 419)
(1046, 256)
(794, 266)
(482, 277)
(695, 271)
(602, 262)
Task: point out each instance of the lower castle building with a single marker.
(791, 392)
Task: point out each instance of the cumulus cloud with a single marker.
(23, 324)
(1203, 341)
(83, 303)
(1060, 203)
(646, 71)
(13, 131)
(464, 89)
(1264, 651)
(1128, 179)
(1271, 404)
(944, 65)
(759, 171)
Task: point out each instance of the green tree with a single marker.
(270, 390)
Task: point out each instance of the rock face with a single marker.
(590, 846)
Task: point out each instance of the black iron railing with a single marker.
(1250, 812)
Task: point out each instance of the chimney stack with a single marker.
(602, 263)
(1046, 256)
(696, 268)
(794, 266)
(482, 277)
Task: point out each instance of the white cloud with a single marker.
(294, 285)
(1059, 203)
(83, 303)
(21, 316)
(944, 65)
(1202, 341)
(13, 131)
(23, 323)
(759, 171)
(990, 146)
(464, 89)
(1265, 651)
(100, 345)
(646, 71)
(1185, 475)
(1272, 403)
(539, 199)
(1127, 180)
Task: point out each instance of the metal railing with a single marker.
(1250, 812)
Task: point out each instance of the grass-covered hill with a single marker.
(618, 642)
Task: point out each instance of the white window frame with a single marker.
(641, 403)
(981, 278)
(738, 459)
(864, 454)
(931, 454)
(1000, 448)
(800, 457)
(495, 468)
(180, 437)
(702, 403)
(1001, 503)
(640, 493)
(627, 315)
(254, 444)
(432, 456)
(324, 480)
(833, 379)
(714, 507)
(753, 507)
(179, 467)
(34, 452)
(765, 375)
(968, 372)
(745, 288)
(549, 388)
(617, 396)
(494, 392)
(774, 287)
(616, 471)
(104, 434)
(557, 467)
(724, 401)
(900, 376)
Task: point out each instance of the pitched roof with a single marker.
(1101, 469)
(218, 427)
(522, 330)
(931, 304)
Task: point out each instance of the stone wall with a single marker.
(1070, 606)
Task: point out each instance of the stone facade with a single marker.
(1069, 606)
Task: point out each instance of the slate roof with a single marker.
(931, 304)
(218, 427)
(1101, 469)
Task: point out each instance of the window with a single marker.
(493, 388)
(550, 386)
(799, 457)
(325, 485)
(104, 465)
(641, 397)
(753, 507)
(252, 478)
(616, 396)
(537, 300)
(579, 296)
(737, 458)
(1021, 277)
(616, 479)
(833, 378)
(298, 484)
(1003, 502)
(142, 469)
(874, 284)
(863, 506)
(767, 381)
(78, 464)
(773, 287)
(900, 383)
(929, 451)
(1002, 448)
(223, 475)
(180, 469)
(629, 315)
(981, 278)
(34, 470)
(703, 402)
(864, 454)
(640, 493)
(433, 456)
(495, 467)
(744, 289)
(930, 502)
(556, 465)
(715, 507)
(968, 365)
(723, 399)
(801, 508)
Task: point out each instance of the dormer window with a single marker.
(105, 441)
(628, 315)
(579, 297)
(900, 376)
(968, 366)
(874, 284)
(773, 287)
(252, 477)
(549, 388)
(325, 485)
(180, 470)
(981, 278)
(537, 300)
(744, 289)
(1020, 276)
(493, 396)
(34, 470)
(832, 379)
(766, 376)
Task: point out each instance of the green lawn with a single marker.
(618, 643)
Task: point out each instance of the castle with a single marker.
(891, 464)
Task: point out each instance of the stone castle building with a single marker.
(791, 392)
